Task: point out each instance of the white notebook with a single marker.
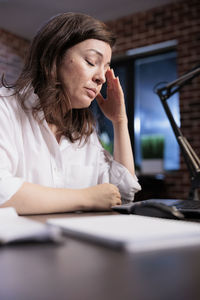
(14, 229)
(132, 232)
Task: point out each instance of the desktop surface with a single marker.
(79, 269)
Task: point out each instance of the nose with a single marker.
(100, 76)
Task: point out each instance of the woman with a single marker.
(50, 156)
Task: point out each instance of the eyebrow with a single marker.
(98, 53)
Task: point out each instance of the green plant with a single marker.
(152, 146)
(108, 147)
(106, 142)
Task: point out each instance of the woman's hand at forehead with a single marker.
(113, 107)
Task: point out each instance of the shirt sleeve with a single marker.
(9, 183)
(115, 173)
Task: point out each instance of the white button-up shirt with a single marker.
(29, 152)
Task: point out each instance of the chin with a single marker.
(84, 104)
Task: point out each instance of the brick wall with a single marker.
(12, 51)
(179, 21)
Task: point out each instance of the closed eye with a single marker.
(89, 63)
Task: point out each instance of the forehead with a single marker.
(96, 47)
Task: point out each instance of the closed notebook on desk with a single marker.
(17, 229)
(132, 232)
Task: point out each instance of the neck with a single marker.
(54, 130)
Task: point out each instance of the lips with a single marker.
(91, 92)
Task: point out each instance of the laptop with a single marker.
(189, 208)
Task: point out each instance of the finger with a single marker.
(110, 77)
(110, 73)
(118, 82)
(113, 74)
(118, 198)
(119, 202)
(117, 85)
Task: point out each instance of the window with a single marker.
(149, 116)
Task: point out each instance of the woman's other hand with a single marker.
(100, 197)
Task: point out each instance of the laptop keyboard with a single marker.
(179, 204)
(188, 204)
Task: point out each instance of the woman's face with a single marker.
(82, 71)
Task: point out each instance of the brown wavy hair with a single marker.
(40, 72)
